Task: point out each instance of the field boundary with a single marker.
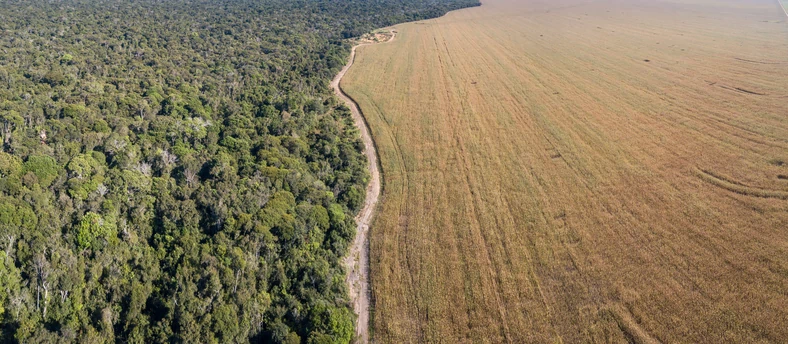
(357, 260)
(780, 2)
(358, 256)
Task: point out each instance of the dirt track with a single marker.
(357, 260)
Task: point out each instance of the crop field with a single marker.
(581, 171)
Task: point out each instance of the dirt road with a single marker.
(357, 260)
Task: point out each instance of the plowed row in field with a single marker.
(581, 171)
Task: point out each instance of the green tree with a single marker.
(44, 167)
(93, 228)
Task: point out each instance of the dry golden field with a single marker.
(581, 171)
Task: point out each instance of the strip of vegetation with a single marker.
(179, 171)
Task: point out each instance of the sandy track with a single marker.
(357, 260)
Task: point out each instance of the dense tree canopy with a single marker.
(179, 171)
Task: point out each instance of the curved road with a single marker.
(357, 260)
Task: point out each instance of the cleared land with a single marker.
(581, 171)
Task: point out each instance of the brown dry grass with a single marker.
(543, 182)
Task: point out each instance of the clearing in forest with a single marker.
(581, 171)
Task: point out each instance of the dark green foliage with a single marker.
(179, 171)
(45, 168)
